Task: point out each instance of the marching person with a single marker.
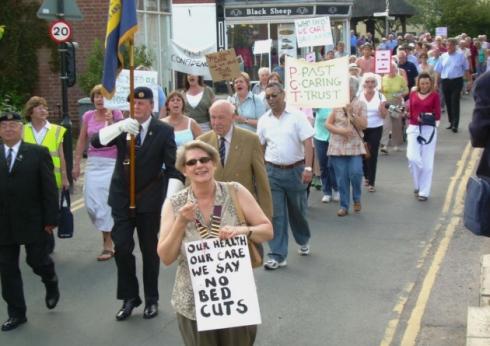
(29, 213)
(422, 137)
(241, 157)
(287, 140)
(183, 218)
(155, 169)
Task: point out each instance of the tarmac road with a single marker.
(401, 272)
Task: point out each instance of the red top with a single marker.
(431, 104)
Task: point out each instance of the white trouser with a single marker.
(421, 158)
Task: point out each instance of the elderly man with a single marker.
(240, 153)
(259, 88)
(287, 139)
(408, 67)
(154, 170)
(29, 212)
(451, 68)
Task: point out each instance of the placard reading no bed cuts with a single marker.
(322, 84)
(224, 288)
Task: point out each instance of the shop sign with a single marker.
(222, 279)
(286, 40)
(260, 11)
(333, 10)
(323, 84)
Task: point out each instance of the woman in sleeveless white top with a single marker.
(205, 202)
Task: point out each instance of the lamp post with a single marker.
(387, 28)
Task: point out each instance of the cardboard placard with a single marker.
(312, 32)
(382, 61)
(141, 78)
(222, 279)
(323, 84)
(223, 65)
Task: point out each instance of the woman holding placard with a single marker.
(205, 209)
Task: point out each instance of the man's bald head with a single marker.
(402, 57)
(222, 114)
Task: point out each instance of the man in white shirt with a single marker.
(287, 140)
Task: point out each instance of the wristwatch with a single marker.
(308, 169)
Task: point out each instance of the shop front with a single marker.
(243, 24)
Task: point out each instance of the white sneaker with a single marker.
(336, 196)
(272, 264)
(304, 250)
(326, 199)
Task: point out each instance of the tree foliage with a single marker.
(23, 34)
(469, 16)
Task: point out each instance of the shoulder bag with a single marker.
(65, 225)
(367, 155)
(256, 249)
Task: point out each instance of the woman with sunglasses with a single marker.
(248, 106)
(189, 216)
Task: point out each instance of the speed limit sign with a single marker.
(60, 31)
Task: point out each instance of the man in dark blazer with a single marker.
(155, 177)
(243, 160)
(28, 214)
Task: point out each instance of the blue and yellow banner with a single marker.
(122, 23)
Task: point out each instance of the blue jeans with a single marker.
(327, 174)
(289, 203)
(348, 170)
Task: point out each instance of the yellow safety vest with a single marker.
(52, 140)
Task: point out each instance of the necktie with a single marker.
(139, 137)
(222, 150)
(9, 158)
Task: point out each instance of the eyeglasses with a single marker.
(193, 162)
(268, 97)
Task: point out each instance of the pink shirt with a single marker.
(93, 128)
(431, 104)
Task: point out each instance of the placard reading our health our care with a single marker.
(224, 288)
(382, 61)
(141, 78)
(323, 84)
(312, 32)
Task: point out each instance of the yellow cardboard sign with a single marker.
(223, 65)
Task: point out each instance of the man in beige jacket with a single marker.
(242, 159)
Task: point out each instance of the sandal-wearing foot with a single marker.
(105, 255)
(371, 188)
(416, 193)
(357, 207)
(422, 198)
(342, 212)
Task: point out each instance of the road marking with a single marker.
(76, 205)
(78, 201)
(390, 330)
(414, 323)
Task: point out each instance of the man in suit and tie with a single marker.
(156, 176)
(28, 214)
(242, 159)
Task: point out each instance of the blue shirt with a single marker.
(321, 132)
(161, 98)
(252, 107)
(353, 40)
(451, 66)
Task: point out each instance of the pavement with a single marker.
(402, 272)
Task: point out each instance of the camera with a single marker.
(395, 108)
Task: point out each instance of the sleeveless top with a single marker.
(200, 113)
(93, 127)
(183, 296)
(184, 136)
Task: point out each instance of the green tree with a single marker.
(24, 34)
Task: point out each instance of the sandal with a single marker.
(371, 188)
(105, 255)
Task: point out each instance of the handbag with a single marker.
(367, 147)
(426, 119)
(65, 224)
(256, 249)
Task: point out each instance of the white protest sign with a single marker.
(323, 84)
(262, 47)
(191, 62)
(223, 283)
(382, 61)
(141, 78)
(441, 31)
(313, 32)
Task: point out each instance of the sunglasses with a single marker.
(273, 96)
(193, 162)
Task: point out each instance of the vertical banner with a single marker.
(141, 78)
(286, 40)
(382, 61)
(312, 32)
(223, 283)
(323, 84)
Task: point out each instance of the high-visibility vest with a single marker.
(52, 140)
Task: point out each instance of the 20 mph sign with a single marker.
(60, 31)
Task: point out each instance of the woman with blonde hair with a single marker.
(98, 169)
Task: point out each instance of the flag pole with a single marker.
(132, 145)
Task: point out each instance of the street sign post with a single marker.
(60, 31)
